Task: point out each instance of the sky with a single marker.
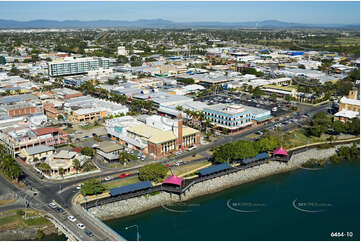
(296, 12)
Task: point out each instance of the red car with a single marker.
(167, 165)
(125, 174)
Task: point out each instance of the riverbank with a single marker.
(140, 204)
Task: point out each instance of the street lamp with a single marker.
(138, 234)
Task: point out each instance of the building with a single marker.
(280, 91)
(22, 109)
(64, 160)
(72, 82)
(157, 137)
(109, 150)
(230, 117)
(77, 66)
(88, 114)
(36, 153)
(349, 107)
(66, 93)
(16, 139)
(87, 108)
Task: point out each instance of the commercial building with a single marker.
(109, 150)
(87, 108)
(279, 90)
(77, 66)
(157, 137)
(230, 117)
(16, 139)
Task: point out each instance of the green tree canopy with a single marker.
(92, 187)
(153, 172)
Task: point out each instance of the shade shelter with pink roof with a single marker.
(280, 151)
(173, 180)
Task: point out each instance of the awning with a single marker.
(130, 188)
(214, 169)
(173, 180)
(280, 151)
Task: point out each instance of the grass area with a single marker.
(90, 126)
(6, 202)
(11, 219)
(298, 138)
(36, 221)
(121, 182)
(190, 167)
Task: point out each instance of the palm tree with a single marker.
(61, 172)
(179, 108)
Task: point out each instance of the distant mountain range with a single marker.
(161, 23)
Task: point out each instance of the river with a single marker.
(299, 205)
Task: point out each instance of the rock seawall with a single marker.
(139, 204)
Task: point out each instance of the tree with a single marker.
(88, 151)
(179, 108)
(60, 117)
(125, 157)
(273, 97)
(353, 127)
(44, 167)
(338, 126)
(153, 172)
(61, 172)
(92, 187)
(76, 164)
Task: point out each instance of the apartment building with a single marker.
(77, 66)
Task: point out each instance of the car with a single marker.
(89, 233)
(80, 226)
(72, 218)
(52, 205)
(108, 178)
(79, 186)
(125, 174)
(167, 165)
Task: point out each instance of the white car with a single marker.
(52, 205)
(80, 226)
(78, 187)
(108, 178)
(72, 218)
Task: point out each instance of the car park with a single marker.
(80, 226)
(71, 218)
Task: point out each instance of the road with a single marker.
(62, 192)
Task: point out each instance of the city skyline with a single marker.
(295, 12)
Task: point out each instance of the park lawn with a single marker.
(187, 168)
(121, 182)
(298, 138)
